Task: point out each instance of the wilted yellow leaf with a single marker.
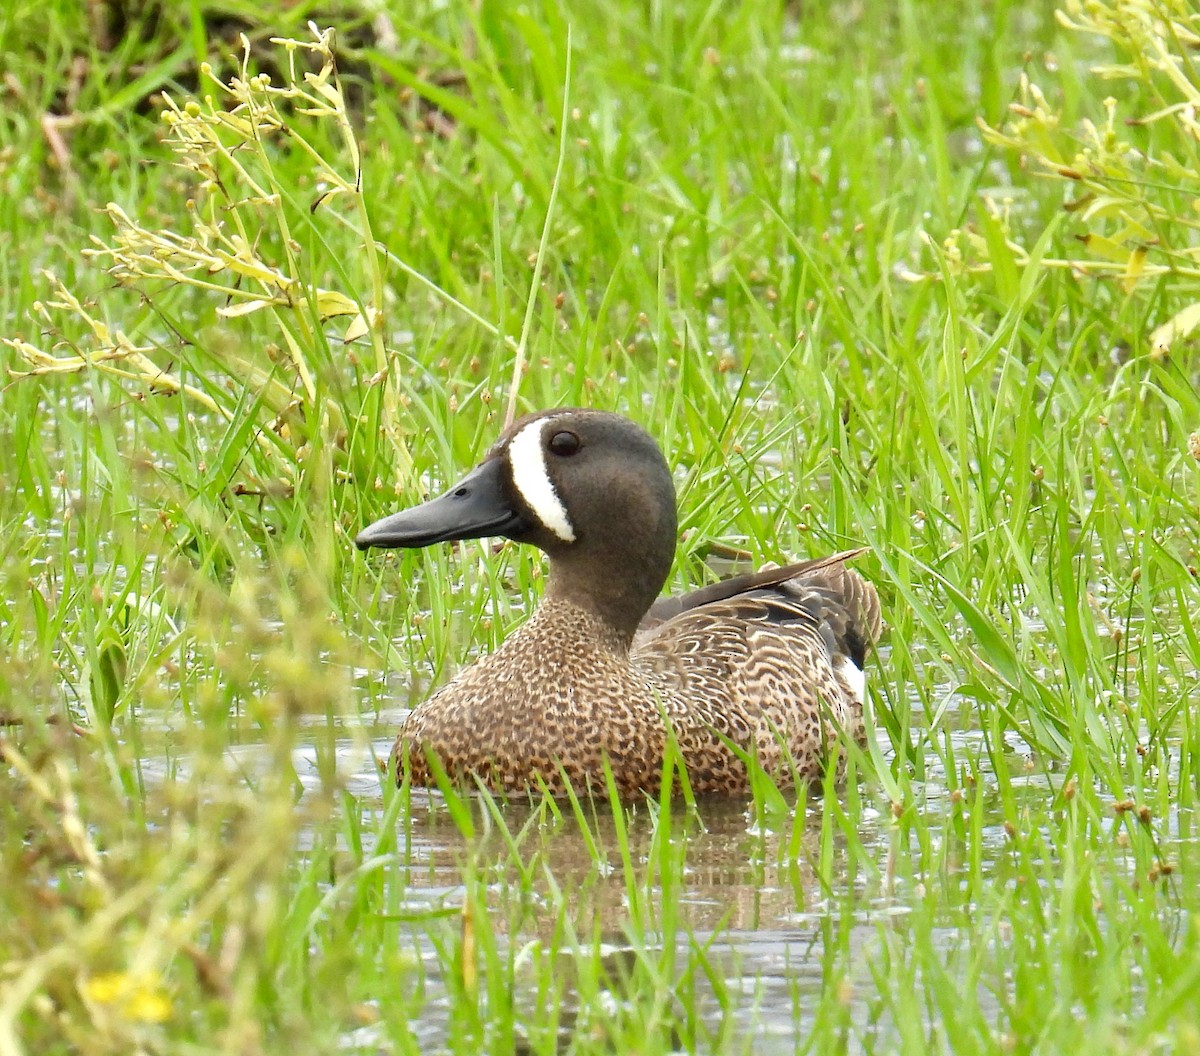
(1106, 248)
(1177, 327)
(1134, 269)
(327, 91)
(236, 311)
(331, 303)
(358, 328)
(255, 269)
(361, 324)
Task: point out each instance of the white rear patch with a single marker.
(854, 677)
(528, 460)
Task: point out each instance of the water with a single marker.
(766, 926)
(759, 929)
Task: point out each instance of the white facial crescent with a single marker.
(527, 457)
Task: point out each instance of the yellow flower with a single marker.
(138, 997)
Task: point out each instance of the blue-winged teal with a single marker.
(771, 662)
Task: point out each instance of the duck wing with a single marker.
(772, 662)
(819, 596)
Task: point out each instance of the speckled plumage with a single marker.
(600, 672)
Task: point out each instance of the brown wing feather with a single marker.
(848, 605)
(668, 608)
(820, 594)
(759, 657)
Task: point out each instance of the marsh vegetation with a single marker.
(915, 277)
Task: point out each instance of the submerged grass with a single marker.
(750, 251)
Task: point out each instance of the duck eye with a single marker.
(564, 443)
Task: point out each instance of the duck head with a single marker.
(589, 488)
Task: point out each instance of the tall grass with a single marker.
(778, 239)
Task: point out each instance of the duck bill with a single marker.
(477, 506)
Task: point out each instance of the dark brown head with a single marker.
(589, 488)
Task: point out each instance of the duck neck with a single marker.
(618, 587)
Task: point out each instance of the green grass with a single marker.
(199, 676)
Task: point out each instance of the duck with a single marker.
(768, 665)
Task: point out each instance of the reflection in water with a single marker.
(736, 906)
(759, 926)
